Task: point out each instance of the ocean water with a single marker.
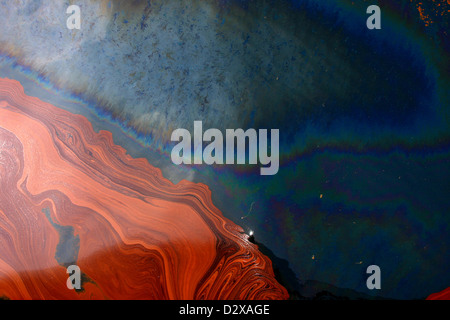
(363, 118)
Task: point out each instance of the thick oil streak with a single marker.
(140, 236)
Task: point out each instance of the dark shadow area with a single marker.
(310, 289)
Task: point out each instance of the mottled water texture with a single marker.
(363, 116)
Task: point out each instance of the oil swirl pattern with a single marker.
(68, 195)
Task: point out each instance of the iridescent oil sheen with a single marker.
(363, 118)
